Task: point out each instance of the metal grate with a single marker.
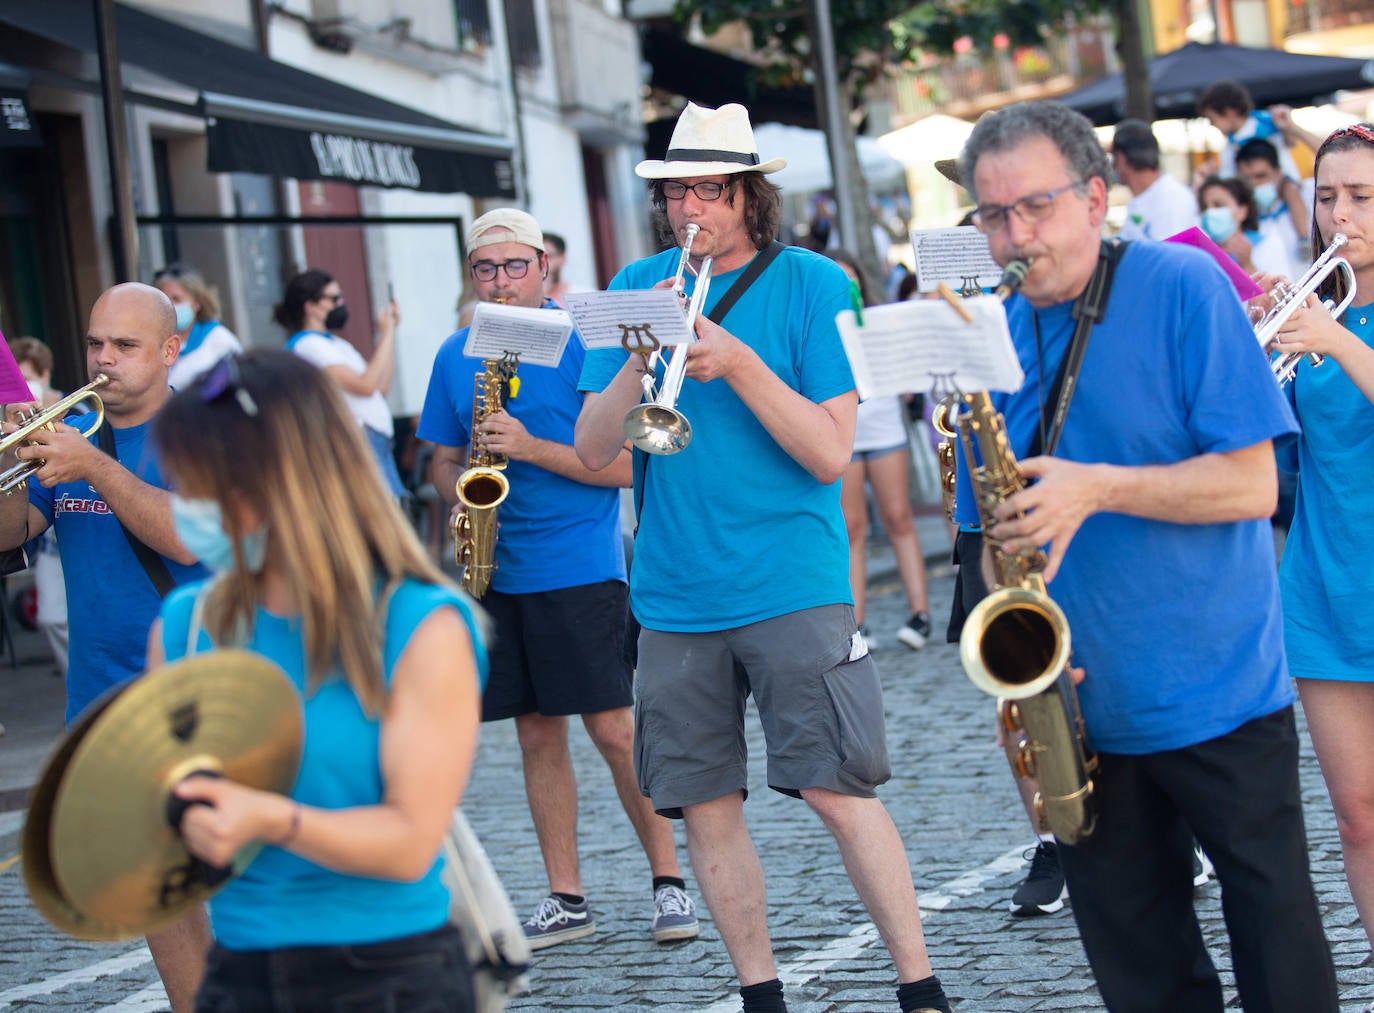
(474, 23)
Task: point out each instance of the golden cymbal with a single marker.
(38, 874)
(113, 857)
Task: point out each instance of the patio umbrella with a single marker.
(808, 161)
(1271, 76)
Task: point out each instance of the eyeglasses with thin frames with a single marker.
(1031, 209)
(485, 270)
(225, 377)
(675, 189)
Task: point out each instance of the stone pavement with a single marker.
(951, 796)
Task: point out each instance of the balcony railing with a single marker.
(971, 83)
(474, 23)
(1325, 15)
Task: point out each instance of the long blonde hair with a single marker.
(269, 430)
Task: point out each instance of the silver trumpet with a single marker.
(1287, 298)
(656, 426)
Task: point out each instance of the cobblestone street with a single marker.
(952, 798)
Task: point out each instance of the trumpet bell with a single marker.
(657, 429)
(17, 475)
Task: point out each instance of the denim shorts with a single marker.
(426, 973)
(384, 450)
(821, 708)
(869, 455)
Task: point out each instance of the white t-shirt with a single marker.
(213, 347)
(1164, 208)
(879, 424)
(1277, 227)
(327, 350)
(1269, 255)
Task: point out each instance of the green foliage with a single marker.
(891, 30)
(936, 26)
(779, 28)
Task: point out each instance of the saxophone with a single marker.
(1015, 646)
(482, 488)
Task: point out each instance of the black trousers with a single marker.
(1131, 882)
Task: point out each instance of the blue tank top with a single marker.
(282, 899)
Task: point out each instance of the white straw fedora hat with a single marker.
(709, 142)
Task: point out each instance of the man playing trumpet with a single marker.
(741, 575)
(102, 505)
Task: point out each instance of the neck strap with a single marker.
(1088, 309)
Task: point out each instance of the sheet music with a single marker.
(958, 257)
(637, 319)
(919, 344)
(539, 335)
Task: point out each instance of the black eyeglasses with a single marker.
(675, 189)
(170, 271)
(485, 270)
(224, 377)
(333, 297)
(1033, 208)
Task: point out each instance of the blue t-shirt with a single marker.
(282, 899)
(1325, 573)
(733, 530)
(111, 600)
(555, 532)
(1177, 625)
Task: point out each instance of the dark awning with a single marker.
(1271, 76)
(267, 117)
(17, 128)
(713, 79)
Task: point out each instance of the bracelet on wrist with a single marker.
(294, 828)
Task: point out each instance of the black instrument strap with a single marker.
(756, 267)
(1088, 309)
(153, 564)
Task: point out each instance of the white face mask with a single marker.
(36, 389)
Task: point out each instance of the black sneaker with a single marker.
(556, 921)
(1043, 891)
(916, 631)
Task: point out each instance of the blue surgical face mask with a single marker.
(199, 524)
(186, 315)
(1219, 224)
(1265, 195)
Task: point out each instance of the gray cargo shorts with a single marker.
(821, 709)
